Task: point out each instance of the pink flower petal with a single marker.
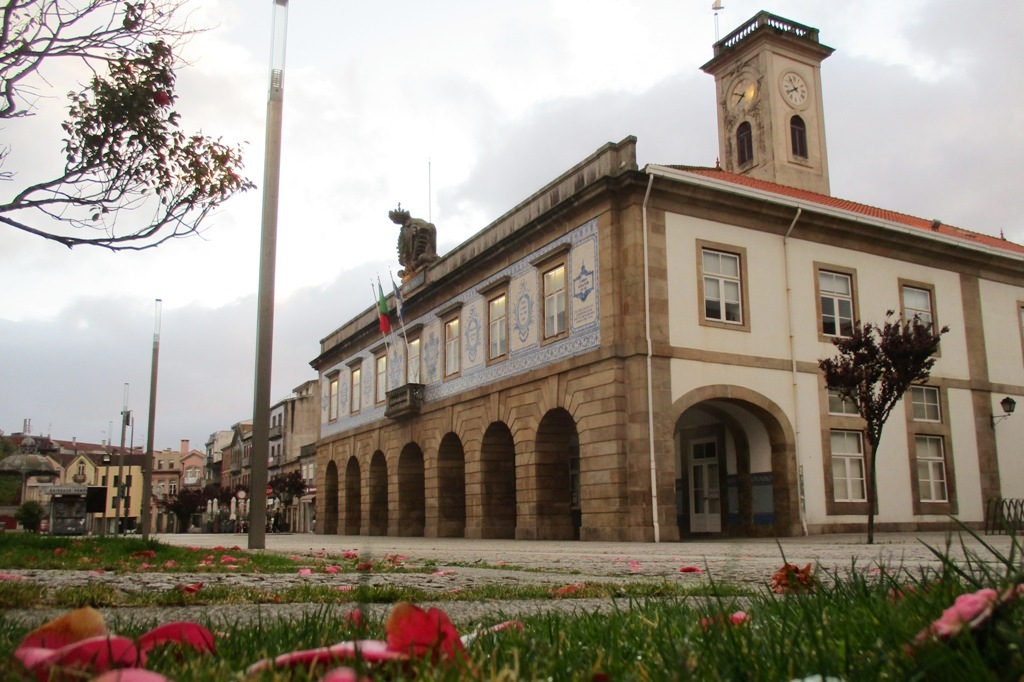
(370, 650)
(99, 653)
(188, 634)
(11, 576)
(332, 569)
(690, 569)
(305, 571)
(343, 675)
(131, 675)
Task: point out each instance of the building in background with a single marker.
(631, 353)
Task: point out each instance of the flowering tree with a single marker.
(184, 504)
(290, 485)
(131, 179)
(875, 366)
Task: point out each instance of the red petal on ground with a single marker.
(343, 675)
(187, 634)
(95, 653)
(690, 569)
(11, 576)
(191, 588)
(131, 675)
(412, 630)
(71, 627)
(370, 650)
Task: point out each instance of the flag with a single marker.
(382, 310)
(399, 302)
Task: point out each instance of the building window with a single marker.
(332, 409)
(931, 468)
(451, 347)
(497, 328)
(839, 405)
(744, 144)
(835, 290)
(172, 488)
(798, 135)
(917, 302)
(413, 362)
(722, 287)
(382, 378)
(554, 302)
(848, 466)
(357, 389)
(925, 402)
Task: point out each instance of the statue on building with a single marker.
(417, 242)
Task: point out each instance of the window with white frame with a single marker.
(172, 487)
(722, 286)
(848, 466)
(332, 409)
(451, 347)
(925, 402)
(554, 301)
(837, 404)
(931, 468)
(836, 292)
(917, 302)
(382, 378)
(413, 362)
(357, 389)
(497, 327)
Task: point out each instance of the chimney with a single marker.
(184, 446)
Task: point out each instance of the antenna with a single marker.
(717, 7)
(430, 195)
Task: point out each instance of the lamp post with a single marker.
(265, 295)
(1009, 405)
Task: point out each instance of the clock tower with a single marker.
(771, 122)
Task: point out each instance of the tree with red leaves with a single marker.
(184, 504)
(875, 367)
(131, 179)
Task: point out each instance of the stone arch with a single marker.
(411, 492)
(498, 483)
(556, 480)
(331, 499)
(353, 497)
(451, 488)
(741, 414)
(378, 494)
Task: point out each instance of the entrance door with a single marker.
(705, 494)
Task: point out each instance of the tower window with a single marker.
(798, 135)
(744, 144)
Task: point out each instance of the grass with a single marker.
(855, 625)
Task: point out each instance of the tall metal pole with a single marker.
(147, 462)
(265, 306)
(120, 465)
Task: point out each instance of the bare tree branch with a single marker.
(124, 151)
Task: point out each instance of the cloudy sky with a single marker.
(460, 109)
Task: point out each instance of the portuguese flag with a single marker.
(382, 309)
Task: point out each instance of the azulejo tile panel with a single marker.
(525, 353)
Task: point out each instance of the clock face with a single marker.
(742, 94)
(794, 89)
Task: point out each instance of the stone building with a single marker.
(631, 353)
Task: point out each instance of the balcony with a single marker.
(276, 431)
(404, 401)
(78, 478)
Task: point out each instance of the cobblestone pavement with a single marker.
(472, 563)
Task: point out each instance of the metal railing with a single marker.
(1004, 515)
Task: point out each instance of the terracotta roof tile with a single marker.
(853, 207)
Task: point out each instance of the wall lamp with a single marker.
(1009, 405)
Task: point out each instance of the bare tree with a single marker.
(875, 366)
(131, 178)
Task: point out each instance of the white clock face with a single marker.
(794, 89)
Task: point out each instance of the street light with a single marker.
(1009, 405)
